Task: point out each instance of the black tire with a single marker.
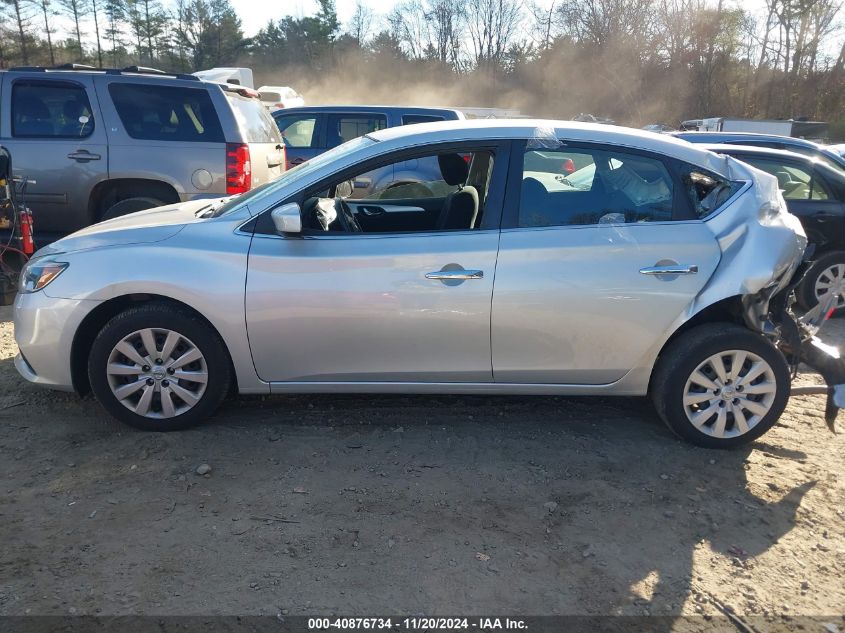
(806, 292)
(159, 315)
(130, 205)
(686, 353)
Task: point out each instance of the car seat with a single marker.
(72, 111)
(32, 117)
(460, 208)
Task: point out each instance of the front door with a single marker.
(594, 268)
(352, 301)
(58, 142)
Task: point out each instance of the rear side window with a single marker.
(706, 191)
(255, 122)
(345, 127)
(51, 109)
(410, 119)
(572, 187)
(166, 113)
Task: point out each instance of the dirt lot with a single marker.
(426, 505)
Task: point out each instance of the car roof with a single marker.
(751, 136)
(544, 130)
(368, 109)
(730, 148)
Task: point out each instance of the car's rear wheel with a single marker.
(826, 275)
(158, 367)
(130, 205)
(720, 385)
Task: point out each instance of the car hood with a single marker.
(143, 227)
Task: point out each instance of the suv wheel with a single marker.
(156, 367)
(825, 276)
(720, 385)
(130, 205)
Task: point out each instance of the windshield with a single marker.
(291, 177)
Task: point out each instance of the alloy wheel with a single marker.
(831, 279)
(729, 393)
(157, 373)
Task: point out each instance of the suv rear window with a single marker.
(55, 109)
(166, 113)
(410, 119)
(255, 122)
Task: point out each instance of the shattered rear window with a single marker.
(706, 190)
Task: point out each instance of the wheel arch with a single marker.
(99, 316)
(108, 192)
(727, 310)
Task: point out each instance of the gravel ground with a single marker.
(435, 505)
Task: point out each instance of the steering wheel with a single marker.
(346, 217)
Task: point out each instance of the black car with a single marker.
(815, 193)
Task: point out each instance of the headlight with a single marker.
(38, 274)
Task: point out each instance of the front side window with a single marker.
(345, 127)
(166, 113)
(438, 192)
(794, 182)
(298, 130)
(51, 109)
(570, 187)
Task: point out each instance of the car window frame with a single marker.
(494, 204)
(48, 81)
(682, 209)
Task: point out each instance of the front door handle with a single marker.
(674, 269)
(455, 274)
(83, 156)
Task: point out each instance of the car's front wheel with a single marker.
(720, 385)
(158, 367)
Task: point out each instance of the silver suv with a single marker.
(99, 143)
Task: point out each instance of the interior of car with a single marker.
(448, 196)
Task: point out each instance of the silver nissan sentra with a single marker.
(548, 257)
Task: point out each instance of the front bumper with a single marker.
(44, 331)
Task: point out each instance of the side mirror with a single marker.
(287, 218)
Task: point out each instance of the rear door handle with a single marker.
(675, 269)
(455, 274)
(83, 156)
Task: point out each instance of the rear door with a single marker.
(303, 134)
(57, 139)
(260, 132)
(579, 295)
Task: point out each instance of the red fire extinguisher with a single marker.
(27, 243)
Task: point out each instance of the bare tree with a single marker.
(95, 12)
(22, 23)
(492, 26)
(76, 11)
(445, 19)
(44, 7)
(361, 24)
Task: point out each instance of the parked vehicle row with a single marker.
(97, 144)
(506, 272)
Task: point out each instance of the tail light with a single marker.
(238, 168)
(568, 165)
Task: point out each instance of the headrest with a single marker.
(454, 169)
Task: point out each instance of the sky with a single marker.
(255, 14)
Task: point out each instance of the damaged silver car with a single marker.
(544, 258)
